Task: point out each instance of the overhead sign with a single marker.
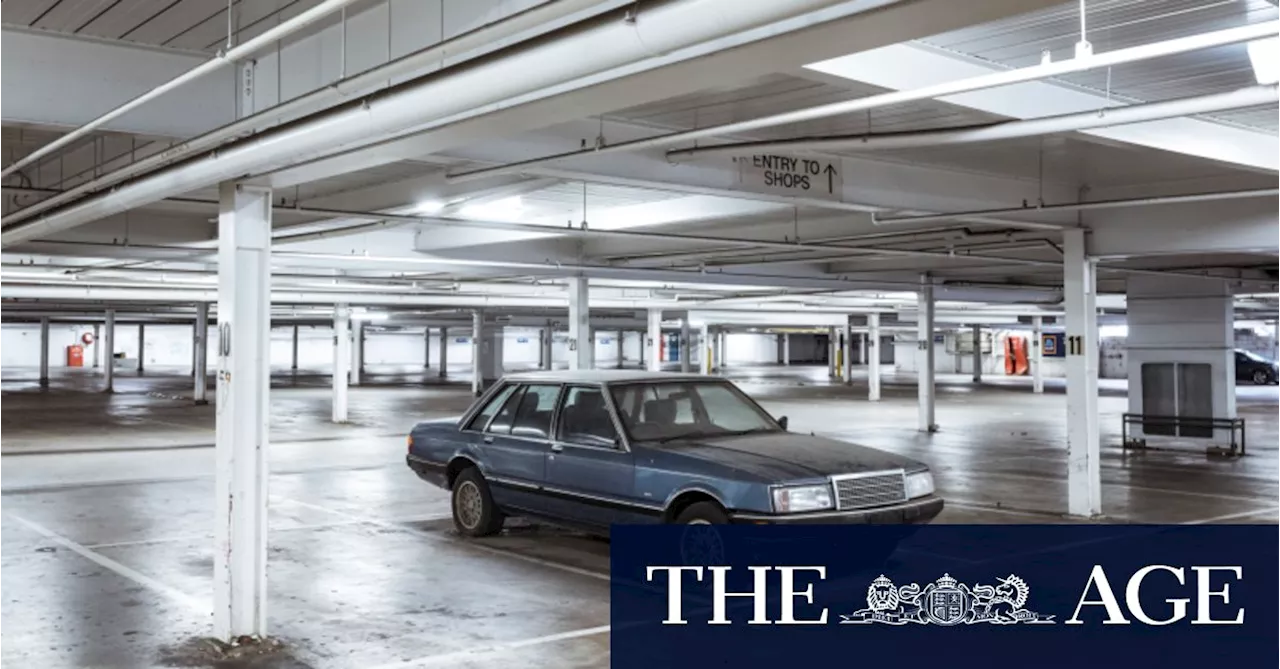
(791, 175)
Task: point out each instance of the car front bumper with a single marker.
(914, 512)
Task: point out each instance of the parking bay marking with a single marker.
(467, 544)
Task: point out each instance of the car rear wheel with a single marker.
(1260, 377)
(474, 512)
(702, 513)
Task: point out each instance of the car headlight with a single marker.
(919, 484)
(802, 498)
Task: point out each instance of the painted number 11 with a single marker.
(1075, 345)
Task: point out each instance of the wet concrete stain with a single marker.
(241, 653)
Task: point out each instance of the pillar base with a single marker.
(200, 402)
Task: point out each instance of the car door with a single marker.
(590, 472)
(515, 442)
(1244, 368)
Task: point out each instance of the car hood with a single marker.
(788, 456)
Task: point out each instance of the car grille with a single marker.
(857, 491)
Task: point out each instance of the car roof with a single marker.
(605, 376)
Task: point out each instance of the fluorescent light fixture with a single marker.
(428, 207)
(1109, 331)
(1265, 56)
(368, 316)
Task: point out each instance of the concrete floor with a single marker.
(108, 513)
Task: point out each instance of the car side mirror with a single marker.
(782, 422)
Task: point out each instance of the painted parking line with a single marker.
(483, 548)
(1232, 516)
(292, 528)
(106, 562)
(480, 652)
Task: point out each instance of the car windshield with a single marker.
(1253, 356)
(669, 411)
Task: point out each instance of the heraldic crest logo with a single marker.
(946, 601)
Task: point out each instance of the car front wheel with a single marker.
(1261, 378)
(474, 512)
(702, 513)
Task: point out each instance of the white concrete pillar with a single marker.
(653, 341)
(925, 357)
(444, 352)
(621, 351)
(426, 348)
(873, 357)
(976, 333)
(1084, 475)
(703, 349)
(831, 353)
(96, 345)
(142, 346)
(786, 349)
(341, 360)
(1037, 354)
(200, 393)
(581, 344)
(686, 346)
(240, 454)
(109, 355)
(548, 338)
(846, 351)
(293, 357)
(357, 351)
(476, 346)
(44, 351)
(862, 351)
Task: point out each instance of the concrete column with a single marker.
(426, 348)
(846, 351)
(652, 341)
(925, 357)
(873, 357)
(142, 346)
(96, 346)
(486, 351)
(862, 352)
(831, 353)
(686, 346)
(1084, 475)
(542, 358)
(704, 349)
(1037, 354)
(357, 351)
(976, 333)
(786, 349)
(548, 338)
(1181, 352)
(621, 350)
(109, 344)
(444, 352)
(341, 360)
(581, 344)
(200, 393)
(44, 351)
(777, 342)
(293, 360)
(240, 454)
(643, 360)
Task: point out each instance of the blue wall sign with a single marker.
(1053, 345)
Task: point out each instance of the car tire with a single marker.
(1261, 378)
(702, 513)
(474, 512)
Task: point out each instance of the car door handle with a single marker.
(556, 448)
(488, 439)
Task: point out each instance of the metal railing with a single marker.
(1181, 426)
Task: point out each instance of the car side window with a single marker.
(481, 419)
(584, 418)
(501, 423)
(533, 414)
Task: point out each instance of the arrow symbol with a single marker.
(831, 176)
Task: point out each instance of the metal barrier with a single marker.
(1181, 426)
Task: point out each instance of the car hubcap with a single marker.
(468, 504)
(1259, 377)
(698, 521)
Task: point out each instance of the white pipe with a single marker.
(1086, 206)
(993, 80)
(1099, 118)
(244, 50)
(554, 14)
(601, 46)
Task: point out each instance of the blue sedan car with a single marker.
(588, 449)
